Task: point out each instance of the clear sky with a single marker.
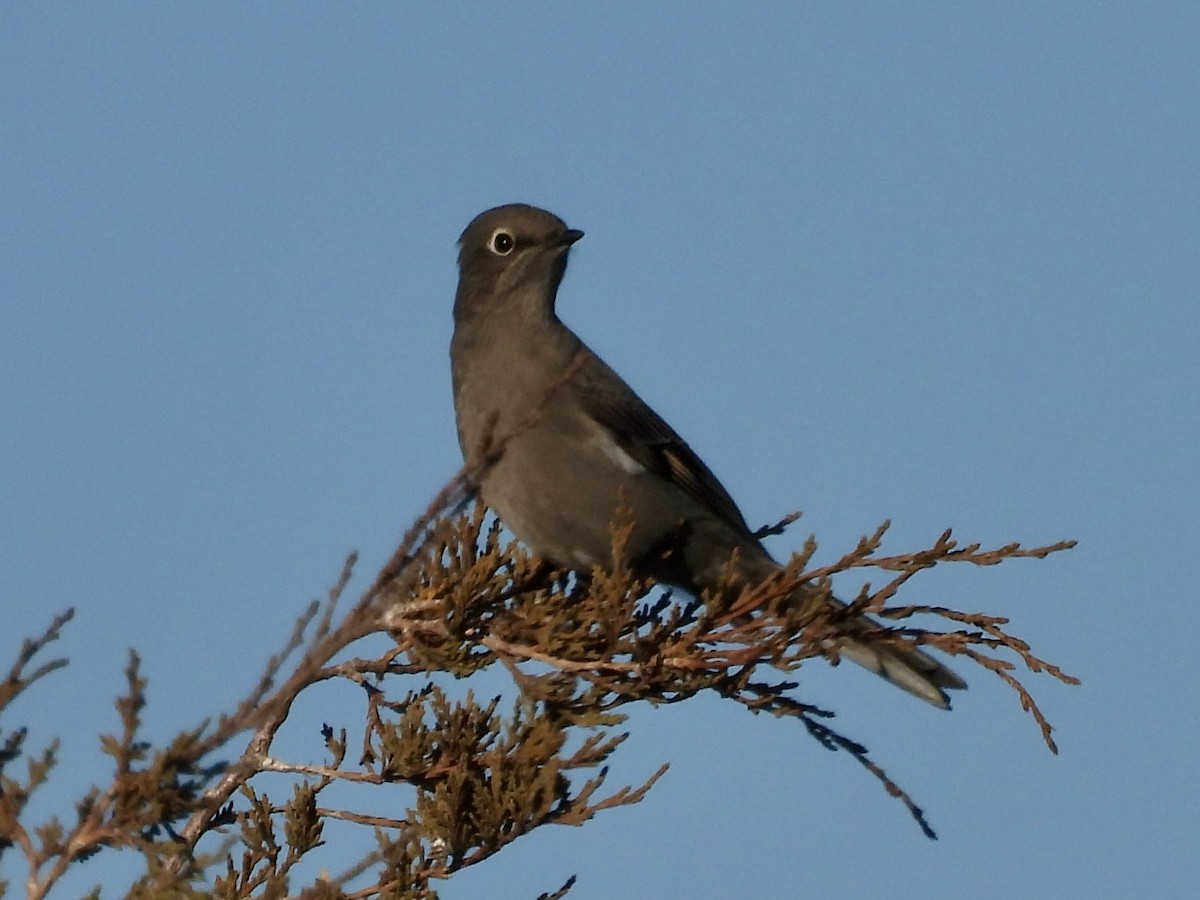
(932, 262)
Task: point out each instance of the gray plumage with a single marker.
(572, 438)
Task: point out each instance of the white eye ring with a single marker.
(502, 242)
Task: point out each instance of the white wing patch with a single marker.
(604, 440)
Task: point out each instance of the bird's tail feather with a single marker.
(903, 664)
(913, 670)
(907, 667)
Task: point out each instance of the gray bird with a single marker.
(564, 439)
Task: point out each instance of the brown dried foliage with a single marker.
(457, 598)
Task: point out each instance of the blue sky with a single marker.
(929, 262)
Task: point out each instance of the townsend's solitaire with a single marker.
(563, 440)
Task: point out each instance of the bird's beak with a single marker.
(570, 236)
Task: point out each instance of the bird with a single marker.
(559, 442)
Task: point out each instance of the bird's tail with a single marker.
(907, 667)
(902, 663)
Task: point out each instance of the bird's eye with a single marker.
(502, 243)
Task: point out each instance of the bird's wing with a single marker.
(649, 440)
